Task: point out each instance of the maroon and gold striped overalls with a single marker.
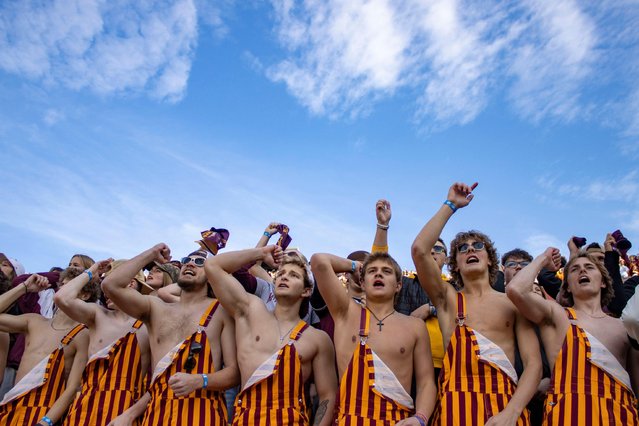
(279, 399)
(29, 408)
(581, 393)
(359, 403)
(471, 390)
(202, 407)
(110, 385)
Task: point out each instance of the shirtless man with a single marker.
(263, 337)
(588, 350)
(190, 341)
(376, 359)
(480, 328)
(51, 367)
(118, 352)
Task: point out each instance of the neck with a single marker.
(477, 285)
(287, 313)
(590, 306)
(62, 320)
(380, 308)
(354, 291)
(193, 296)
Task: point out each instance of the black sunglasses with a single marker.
(199, 261)
(194, 349)
(477, 245)
(439, 249)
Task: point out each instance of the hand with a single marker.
(272, 228)
(410, 421)
(183, 384)
(544, 384)
(609, 244)
(572, 247)
(505, 418)
(461, 194)
(122, 420)
(552, 261)
(100, 267)
(423, 312)
(383, 212)
(162, 253)
(273, 255)
(36, 283)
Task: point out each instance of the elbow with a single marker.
(513, 292)
(418, 251)
(319, 262)
(59, 300)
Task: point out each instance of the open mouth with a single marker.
(583, 279)
(282, 285)
(189, 272)
(378, 283)
(472, 259)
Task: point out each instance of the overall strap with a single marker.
(461, 309)
(572, 315)
(71, 334)
(137, 325)
(296, 333)
(208, 314)
(364, 324)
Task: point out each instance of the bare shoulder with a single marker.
(317, 335)
(411, 323)
(81, 340)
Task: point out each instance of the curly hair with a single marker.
(489, 246)
(607, 293)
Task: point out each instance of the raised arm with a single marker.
(227, 289)
(325, 267)
(520, 289)
(384, 214)
(67, 297)
(116, 284)
(80, 345)
(256, 270)
(325, 379)
(441, 295)
(19, 323)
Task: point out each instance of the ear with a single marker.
(399, 286)
(308, 291)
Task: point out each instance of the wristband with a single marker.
(384, 227)
(266, 234)
(26, 289)
(205, 380)
(353, 265)
(423, 421)
(47, 420)
(450, 204)
(89, 273)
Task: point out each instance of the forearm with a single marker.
(324, 413)
(522, 283)
(232, 261)
(119, 278)
(425, 398)
(61, 405)
(380, 242)
(10, 297)
(336, 263)
(137, 409)
(526, 388)
(427, 237)
(224, 379)
(611, 262)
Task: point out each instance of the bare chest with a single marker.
(610, 332)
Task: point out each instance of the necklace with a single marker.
(380, 322)
(593, 316)
(279, 330)
(58, 329)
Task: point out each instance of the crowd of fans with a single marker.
(265, 336)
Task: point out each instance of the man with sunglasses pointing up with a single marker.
(192, 342)
(481, 328)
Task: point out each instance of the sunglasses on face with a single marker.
(477, 245)
(199, 261)
(194, 349)
(513, 264)
(439, 249)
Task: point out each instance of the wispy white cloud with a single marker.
(107, 47)
(624, 188)
(52, 116)
(535, 244)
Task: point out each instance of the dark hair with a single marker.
(523, 254)
(444, 244)
(5, 283)
(359, 255)
(493, 268)
(386, 258)
(595, 246)
(607, 293)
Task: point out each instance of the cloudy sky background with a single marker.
(124, 123)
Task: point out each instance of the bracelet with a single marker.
(89, 273)
(422, 419)
(266, 234)
(450, 204)
(384, 227)
(26, 289)
(47, 420)
(205, 380)
(353, 265)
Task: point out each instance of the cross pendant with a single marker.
(380, 324)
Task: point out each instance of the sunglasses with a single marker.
(194, 349)
(513, 264)
(439, 249)
(199, 261)
(477, 245)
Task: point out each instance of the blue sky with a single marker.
(124, 124)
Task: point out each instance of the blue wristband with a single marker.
(90, 274)
(267, 235)
(421, 421)
(205, 380)
(452, 206)
(47, 420)
(353, 265)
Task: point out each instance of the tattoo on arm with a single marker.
(321, 411)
